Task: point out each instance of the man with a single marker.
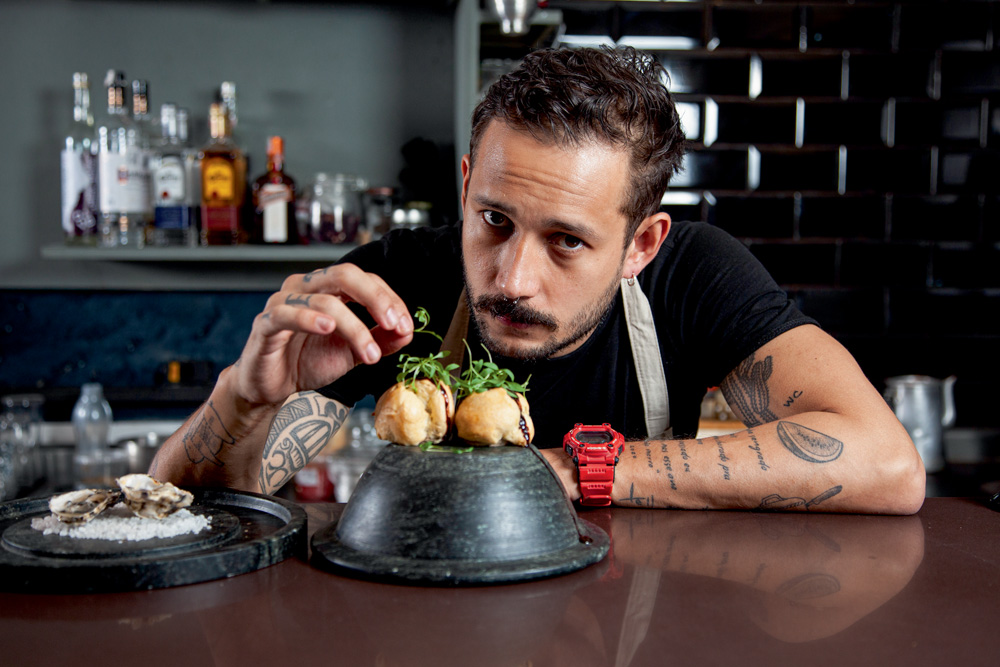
(568, 271)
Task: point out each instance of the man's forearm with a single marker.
(812, 461)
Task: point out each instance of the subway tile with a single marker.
(965, 73)
(941, 218)
(666, 21)
(849, 27)
(756, 122)
(884, 264)
(906, 170)
(590, 21)
(707, 75)
(931, 123)
(974, 267)
(844, 311)
(802, 76)
(846, 123)
(843, 217)
(960, 25)
(991, 219)
(972, 171)
(798, 170)
(755, 217)
(724, 170)
(883, 75)
(758, 27)
(944, 312)
(793, 264)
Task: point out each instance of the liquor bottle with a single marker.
(123, 178)
(223, 184)
(79, 170)
(173, 223)
(192, 172)
(274, 199)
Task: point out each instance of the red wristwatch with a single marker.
(595, 451)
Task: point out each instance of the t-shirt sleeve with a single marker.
(721, 302)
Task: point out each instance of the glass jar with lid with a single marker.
(330, 210)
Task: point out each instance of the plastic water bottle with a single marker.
(92, 423)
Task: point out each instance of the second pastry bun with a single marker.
(413, 416)
(493, 417)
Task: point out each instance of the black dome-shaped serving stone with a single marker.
(492, 515)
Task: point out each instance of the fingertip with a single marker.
(324, 324)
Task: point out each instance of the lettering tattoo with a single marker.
(668, 466)
(298, 432)
(726, 473)
(298, 299)
(206, 437)
(791, 399)
(756, 448)
(777, 502)
(312, 274)
(807, 444)
(684, 455)
(746, 390)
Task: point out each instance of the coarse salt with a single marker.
(119, 524)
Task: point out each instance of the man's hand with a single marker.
(307, 337)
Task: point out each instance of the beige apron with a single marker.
(645, 354)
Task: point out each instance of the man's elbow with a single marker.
(904, 482)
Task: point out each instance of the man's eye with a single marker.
(495, 219)
(569, 242)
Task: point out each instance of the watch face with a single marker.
(594, 437)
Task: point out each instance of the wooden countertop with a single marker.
(707, 588)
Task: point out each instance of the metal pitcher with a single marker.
(925, 406)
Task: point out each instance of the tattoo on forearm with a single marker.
(206, 437)
(684, 455)
(756, 448)
(777, 502)
(747, 392)
(726, 474)
(298, 432)
(809, 587)
(807, 444)
(668, 466)
(638, 501)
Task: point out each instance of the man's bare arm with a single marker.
(820, 438)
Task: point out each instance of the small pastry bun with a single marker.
(491, 418)
(411, 417)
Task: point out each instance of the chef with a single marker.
(566, 269)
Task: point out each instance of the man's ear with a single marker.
(648, 238)
(466, 173)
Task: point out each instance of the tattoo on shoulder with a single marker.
(747, 392)
(299, 431)
(776, 502)
(807, 444)
(206, 437)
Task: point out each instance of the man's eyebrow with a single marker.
(571, 228)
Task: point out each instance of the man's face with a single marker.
(542, 240)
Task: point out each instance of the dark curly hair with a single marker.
(617, 96)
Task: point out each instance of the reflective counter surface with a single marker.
(707, 588)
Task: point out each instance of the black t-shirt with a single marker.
(712, 302)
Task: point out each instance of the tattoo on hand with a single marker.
(312, 274)
(807, 444)
(298, 299)
(204, 440)
(747, 393)
(776, 502)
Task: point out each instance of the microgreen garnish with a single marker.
(484, 374)
(414, 368)
(431, 447)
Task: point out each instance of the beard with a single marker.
(563, 335)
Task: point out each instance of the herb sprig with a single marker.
(484, 374)
(413, 368)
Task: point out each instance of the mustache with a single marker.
(501, 306)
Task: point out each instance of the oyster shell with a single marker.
(82, 505)
(152, 499)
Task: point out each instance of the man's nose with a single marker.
(518, 270)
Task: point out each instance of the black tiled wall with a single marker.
(856, 151)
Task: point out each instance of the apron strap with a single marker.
(648, 363)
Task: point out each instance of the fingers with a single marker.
(350, 283)
(317, 304)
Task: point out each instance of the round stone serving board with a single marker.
(248, 532)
